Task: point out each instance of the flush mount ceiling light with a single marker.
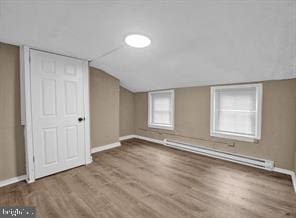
(137, 41)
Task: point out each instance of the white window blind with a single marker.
(236, 112)
(161, 109)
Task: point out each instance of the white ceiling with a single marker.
(193, 42)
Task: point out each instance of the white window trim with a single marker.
(239, 137)
(161, 126)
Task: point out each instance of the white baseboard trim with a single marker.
(126, 137)
(294, 181)
(275, 169)
(150, 139)
(141, 137)
(12, 180)
(105, 147)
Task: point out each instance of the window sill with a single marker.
(161, 127)
(234, 137)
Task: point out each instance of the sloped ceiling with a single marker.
(193, 42)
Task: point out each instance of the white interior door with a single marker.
(57, 112)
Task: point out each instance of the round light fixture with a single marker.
(137, 41)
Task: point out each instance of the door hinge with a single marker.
(34, 159)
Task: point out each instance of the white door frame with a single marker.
(26, 111)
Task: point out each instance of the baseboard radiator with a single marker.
(241, 159)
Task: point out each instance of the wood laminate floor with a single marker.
(142, 179)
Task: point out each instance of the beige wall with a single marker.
(12, 155)
(127, 112)
(192, 122)
(104, 108)
(108, 100)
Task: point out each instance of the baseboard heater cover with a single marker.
(241, 159)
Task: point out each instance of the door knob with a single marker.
(81, 119)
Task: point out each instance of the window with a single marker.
(236, 112)
(161, 109)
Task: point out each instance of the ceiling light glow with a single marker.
(137, 41)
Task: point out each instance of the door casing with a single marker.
(26, 111)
